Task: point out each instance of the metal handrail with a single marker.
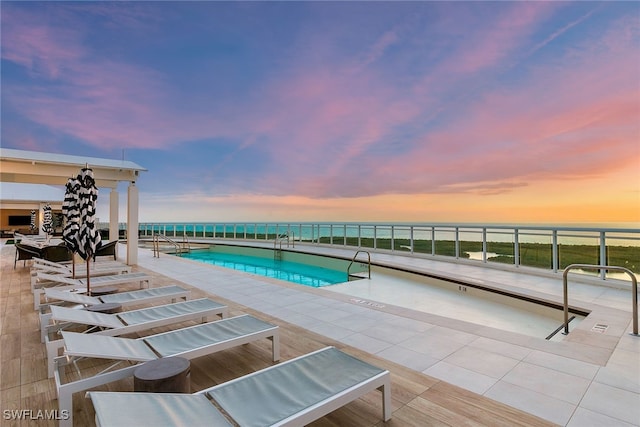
(354, 260)
(634, 291)
(290, 239)
(156, 244)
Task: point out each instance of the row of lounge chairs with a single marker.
(295, 392)
(61, 282)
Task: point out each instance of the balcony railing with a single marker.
(544, 247)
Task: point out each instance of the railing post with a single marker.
(344, 232)
(393, 241)
(375, 237)
(516, 248)
(411, 238)
(484, 244)
(457, 243)
(555, 262)
(603, 255)
(433, 241)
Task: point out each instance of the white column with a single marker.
(132, 224)
(40, 219)
(113, 214)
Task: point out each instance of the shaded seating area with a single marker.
(53, 253)
(293, 393)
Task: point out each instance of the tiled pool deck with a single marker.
(590, 378)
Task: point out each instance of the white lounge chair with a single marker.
(292, 393)
(190, 343)
(142, 296)
(96, 269)
(125, 322)
(62, 283)
(53, 296)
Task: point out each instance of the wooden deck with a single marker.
(417, 399)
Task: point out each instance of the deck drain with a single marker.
(365, 302)
(600, 328)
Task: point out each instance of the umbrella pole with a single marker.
(88, 278)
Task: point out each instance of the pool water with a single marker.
(302, 274)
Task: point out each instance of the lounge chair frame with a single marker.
(199, 309)
(171, 293)
(66, 390)
(70, 284)
(64, 270)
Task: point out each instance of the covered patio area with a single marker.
(31, 167)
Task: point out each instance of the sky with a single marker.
(482, 112)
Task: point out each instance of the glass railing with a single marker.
(550, 248)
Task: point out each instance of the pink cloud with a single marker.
(342, 128)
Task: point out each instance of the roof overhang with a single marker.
(55, 169)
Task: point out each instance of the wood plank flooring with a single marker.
(417, 399)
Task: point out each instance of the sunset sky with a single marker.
(338, 111)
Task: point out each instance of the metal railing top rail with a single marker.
(634, 229)
(496, 245)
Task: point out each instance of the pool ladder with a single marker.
(179, 248)
(277, 244)
(353, 260)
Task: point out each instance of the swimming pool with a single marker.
(391, 287)
(263, 263)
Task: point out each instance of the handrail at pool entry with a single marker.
(354, 260)
(634, 291)
(156, 244)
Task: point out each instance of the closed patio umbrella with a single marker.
(71, 213)
(32, 226)
(88, 235)
(47, 221)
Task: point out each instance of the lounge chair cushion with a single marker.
(151, 314)
(175, 342)
(272, 395)
(85, 317)
(132, 296)
(135, 317)
(157, 409)
(107, 347)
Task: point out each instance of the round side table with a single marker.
(166, 375)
